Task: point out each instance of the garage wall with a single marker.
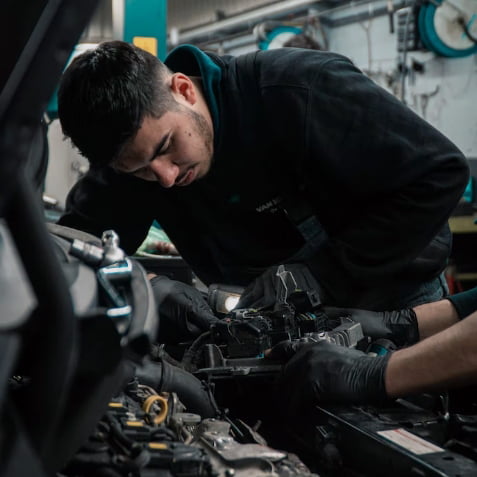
(65, 165)
(445, 93)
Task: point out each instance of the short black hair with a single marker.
(105, 94)
(301, 40)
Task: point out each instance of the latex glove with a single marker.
(400, 327)
(262, 292)
(183, 312)
(325, 372)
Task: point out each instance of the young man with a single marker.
(442, 355)
(281, 156)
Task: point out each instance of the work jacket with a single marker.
(313, 162)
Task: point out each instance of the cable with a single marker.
(189, 356)
(404, 56)
(461, 21)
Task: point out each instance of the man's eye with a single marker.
(165, 148)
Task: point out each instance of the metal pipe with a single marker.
(118, 19)
(199, 34)
(244, 18)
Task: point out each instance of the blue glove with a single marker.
(183, 312)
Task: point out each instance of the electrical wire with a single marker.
(461, 21)
(188, 360)
(368, 41)
(404, 56)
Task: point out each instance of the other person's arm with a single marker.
(408, 326)
(325, 372)
(446, 359)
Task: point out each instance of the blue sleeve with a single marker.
(465, 302)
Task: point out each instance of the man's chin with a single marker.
(205, 169)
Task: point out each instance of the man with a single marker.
(445, 356)
(281, 156)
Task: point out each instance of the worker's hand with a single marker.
(325, 372)
(262, 292)
(400, 327)
(183, 312)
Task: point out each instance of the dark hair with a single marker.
(302, 41)
(105, 94)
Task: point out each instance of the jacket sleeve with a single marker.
(391, 179)
(105, 200)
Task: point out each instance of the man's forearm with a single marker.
(444, 359)
(435, 317)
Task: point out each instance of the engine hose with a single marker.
(165, 377)
(190, 356)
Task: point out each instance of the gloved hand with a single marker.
(183, 312)
(325, 372)
(262, 292)
(400, 327)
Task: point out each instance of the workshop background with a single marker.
(423, 52)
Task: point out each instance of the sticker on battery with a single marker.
(409, 441)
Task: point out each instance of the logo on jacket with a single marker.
(270, 206)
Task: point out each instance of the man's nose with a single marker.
(165, 171)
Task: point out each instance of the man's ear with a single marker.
(183, 89)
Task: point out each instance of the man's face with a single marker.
(175, 149)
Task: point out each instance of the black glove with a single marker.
(183, 312)
(165, 377)
(262, 292)
(400, 327)
(325, 372)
